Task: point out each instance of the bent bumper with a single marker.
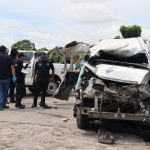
(114, 116)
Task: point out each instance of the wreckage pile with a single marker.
(120, 74)
(114, 84)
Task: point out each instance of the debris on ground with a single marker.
(105, 137)
(65, 119)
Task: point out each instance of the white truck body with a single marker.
(32, 59)
(121, 73)
(30, 56)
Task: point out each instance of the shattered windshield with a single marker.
(140, 59)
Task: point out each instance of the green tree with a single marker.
(24, 45)
(55, 58)
(42, 49)
(130, 31)
(52, 56)
(117, 37)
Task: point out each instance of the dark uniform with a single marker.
(42, 68)
(12, 88)
(5, 74)
(13, 54)
(20, 83)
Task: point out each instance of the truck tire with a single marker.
(82, 121)
(52, 86)
(146, 135)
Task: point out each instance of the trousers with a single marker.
(40, 86)
(4, 85)
(20, 91)
(11, 89)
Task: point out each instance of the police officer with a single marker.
(41, 79)
(12, 86)
(20, 82)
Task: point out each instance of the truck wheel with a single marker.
(82, 121)
(146, 135)
(53, 85)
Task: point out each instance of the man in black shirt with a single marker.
(6, 68)
(12, 86)
(41, 79)
(20, 82)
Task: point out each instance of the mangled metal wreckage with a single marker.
(114, 83)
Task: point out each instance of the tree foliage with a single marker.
(117, 37)
(28, 45)
(130, 31)
(55, 58)
(24, 45)
(42, 49)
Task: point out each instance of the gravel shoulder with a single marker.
(54, 129)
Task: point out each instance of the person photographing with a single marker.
(20, 80)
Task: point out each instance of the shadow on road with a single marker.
(121, 127)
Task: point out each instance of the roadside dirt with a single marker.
(54, 129)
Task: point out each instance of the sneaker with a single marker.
(46, 106)
(6, 107)
(20, 106)
(34, 106)
(16, 105)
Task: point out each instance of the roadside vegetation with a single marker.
(125, 32)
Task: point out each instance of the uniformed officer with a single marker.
(12, 86)
(41, 79)
(20, 82)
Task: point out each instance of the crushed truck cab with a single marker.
(115, 83)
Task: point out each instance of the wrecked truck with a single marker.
(114, 84)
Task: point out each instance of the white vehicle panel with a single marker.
(29, 77)
(120, 47)
(121, 73)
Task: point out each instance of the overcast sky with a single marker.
(57, 22)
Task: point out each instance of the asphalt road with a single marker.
(54, 129)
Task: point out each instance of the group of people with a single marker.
(12, 75)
